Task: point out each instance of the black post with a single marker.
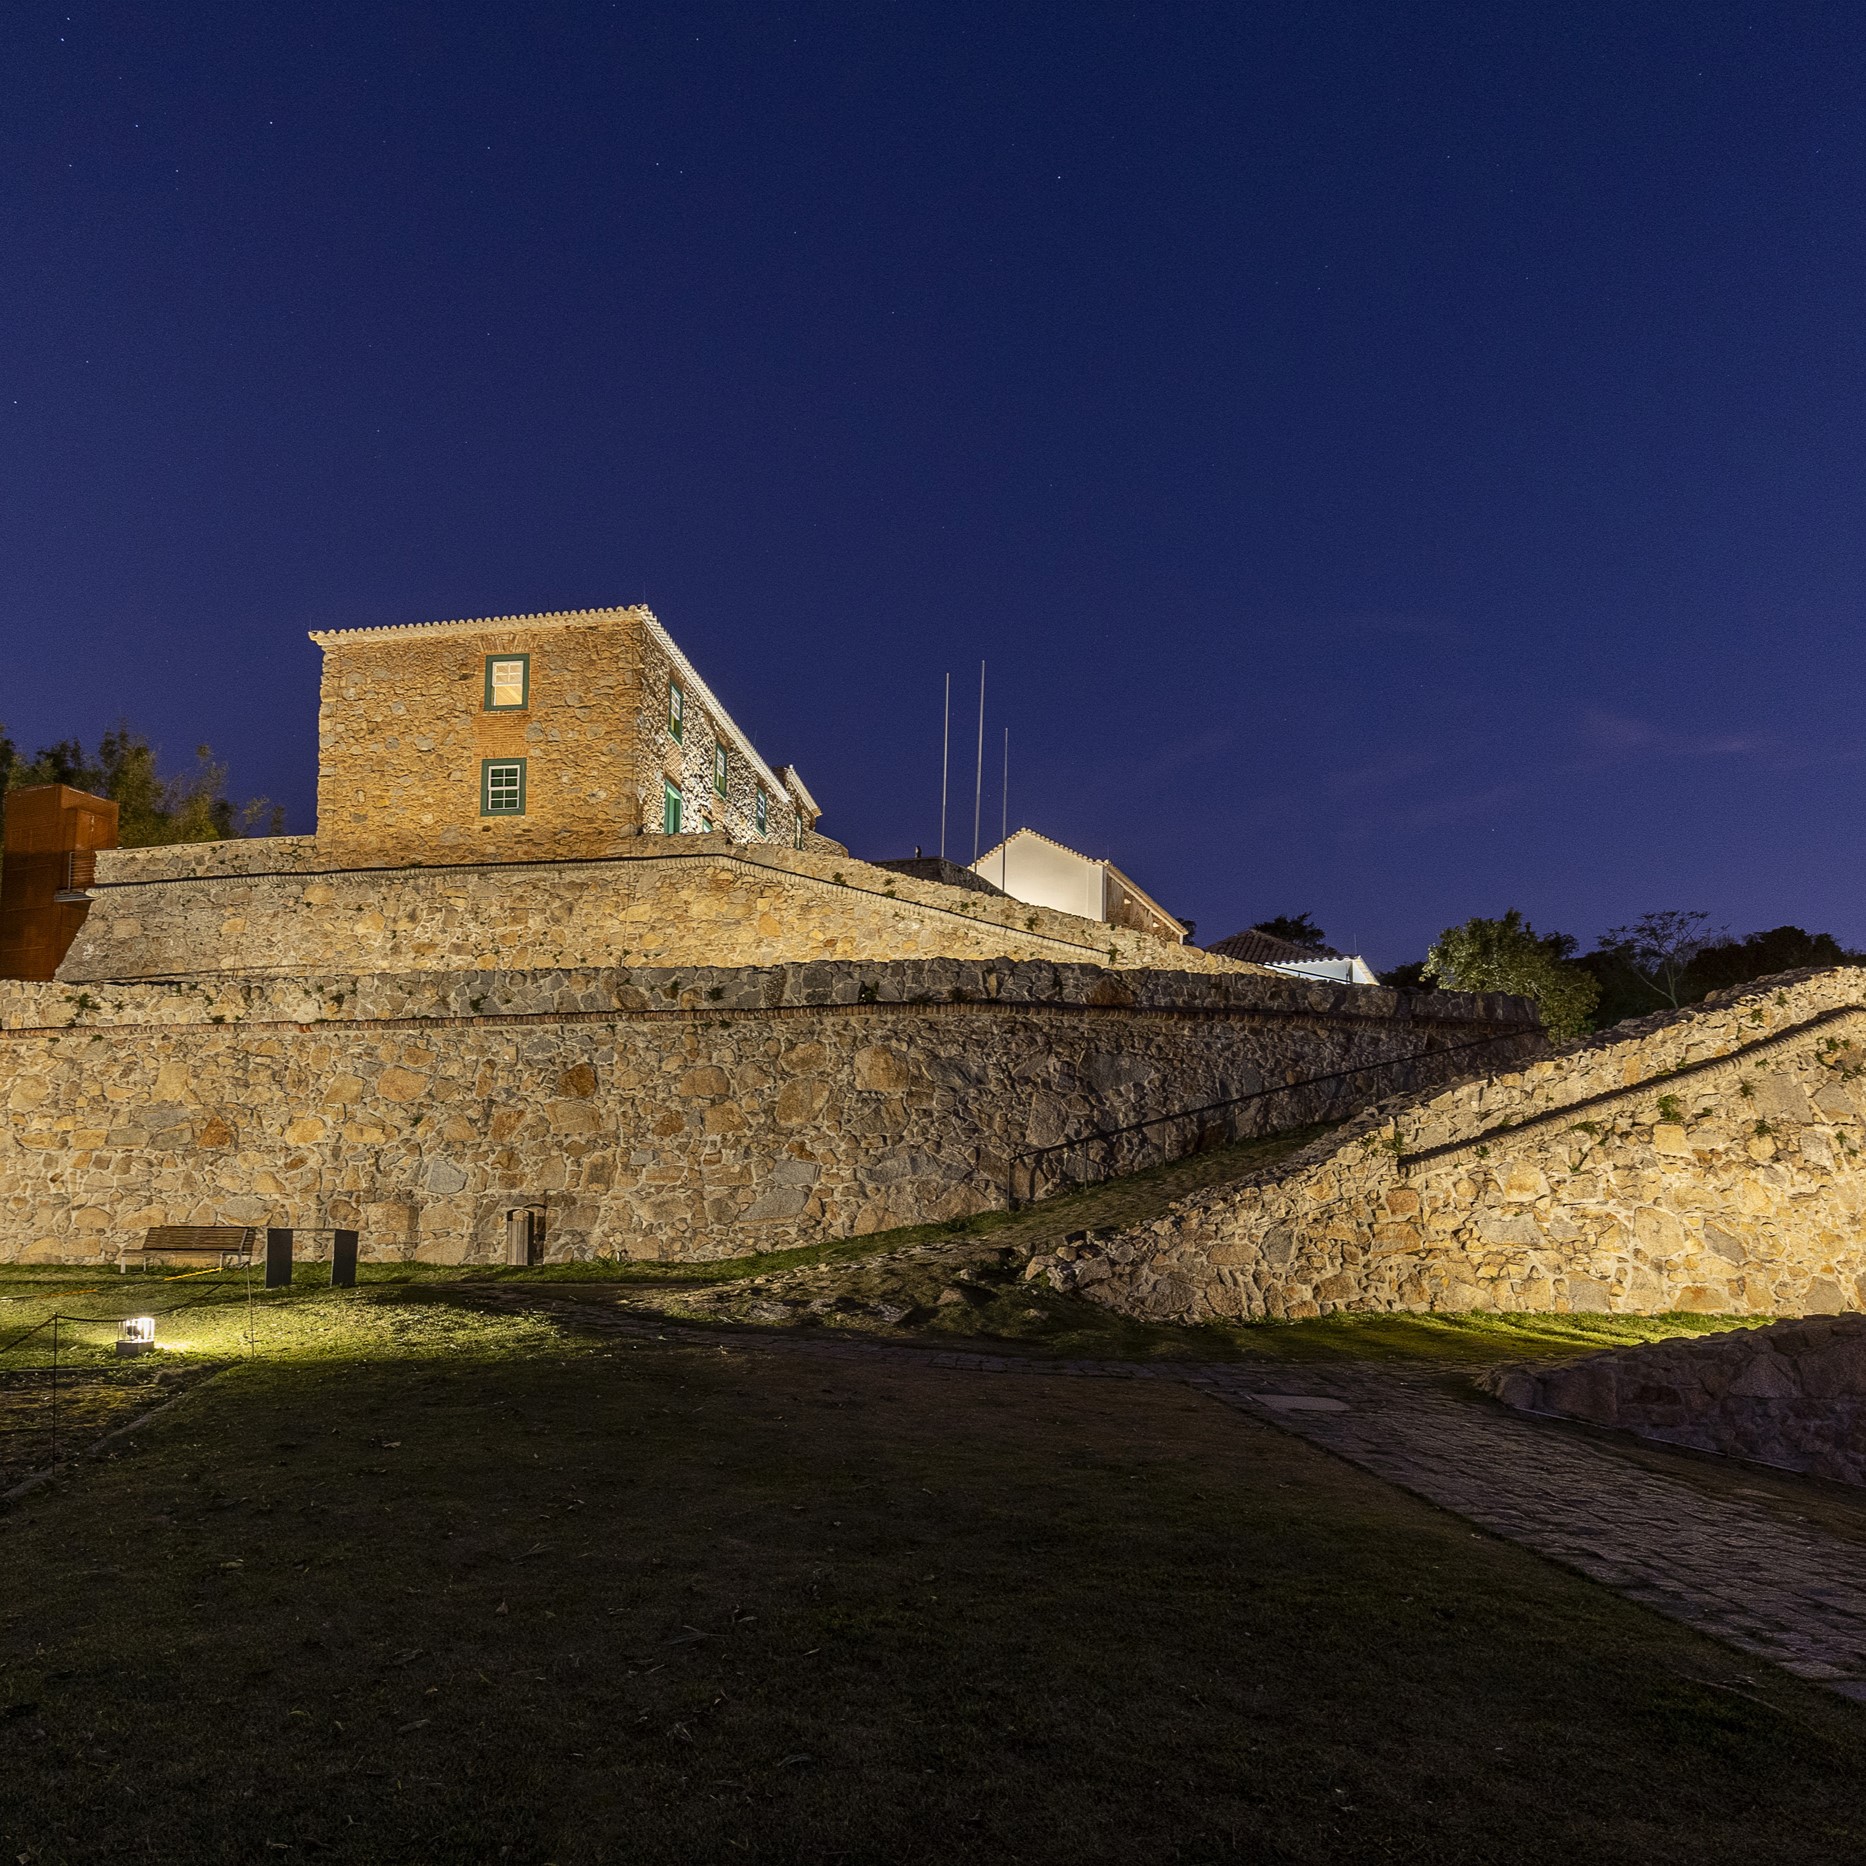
(278, 1258)
(343, 1260)
(54, 1389)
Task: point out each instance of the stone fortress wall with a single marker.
(681, 1114)
(1711, 1159)
(187, 911)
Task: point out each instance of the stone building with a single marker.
(543, 736)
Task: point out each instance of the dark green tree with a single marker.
(1664, 960)
(1509, 955)
(1656, 952)
(1729, 962)
(187, 806)
(1298, 929)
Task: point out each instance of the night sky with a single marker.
(1399, 462)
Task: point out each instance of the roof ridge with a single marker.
(539, 615)
(1024, 829)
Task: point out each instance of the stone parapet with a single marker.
(668, 899)
(179, 861)
(348, 997)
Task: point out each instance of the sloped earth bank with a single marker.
(969, 1278)
(1792, 1396)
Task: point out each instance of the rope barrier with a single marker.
(113, 1321)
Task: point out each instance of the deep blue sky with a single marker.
(1400, 462)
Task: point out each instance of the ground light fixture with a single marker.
(136, 1334)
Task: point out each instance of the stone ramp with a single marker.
(1710, 1160)
(1792, 1395)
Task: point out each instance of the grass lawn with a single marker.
(418, 1583)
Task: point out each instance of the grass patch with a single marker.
(422, 1583)
(1480, 1337)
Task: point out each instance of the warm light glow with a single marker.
(139, 1329)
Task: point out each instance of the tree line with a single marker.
(1664, 959)
(190, 805)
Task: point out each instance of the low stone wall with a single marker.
(687, 900)
(238, 855)
(1793, 1396)
(673, 1114)
(1712, 1159)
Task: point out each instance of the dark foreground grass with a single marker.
(425, 1585)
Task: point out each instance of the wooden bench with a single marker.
(232, 1244)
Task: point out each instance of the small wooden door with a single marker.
(524, 1234)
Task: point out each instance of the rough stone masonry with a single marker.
(668, 1114)
(1711, 1159)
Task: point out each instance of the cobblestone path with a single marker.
(1791, 1592)
(1794, 1594)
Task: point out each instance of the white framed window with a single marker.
(508, 682)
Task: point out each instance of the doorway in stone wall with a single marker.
(524, 1234)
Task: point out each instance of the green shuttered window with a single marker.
(502, 787)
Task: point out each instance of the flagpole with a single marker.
(978, 777)
(945, 761)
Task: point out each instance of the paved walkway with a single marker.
(1792, 1593)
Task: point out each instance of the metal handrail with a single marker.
(1027, 1156)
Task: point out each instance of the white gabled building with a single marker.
(1033, 868)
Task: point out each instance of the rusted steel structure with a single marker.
(52, 837)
